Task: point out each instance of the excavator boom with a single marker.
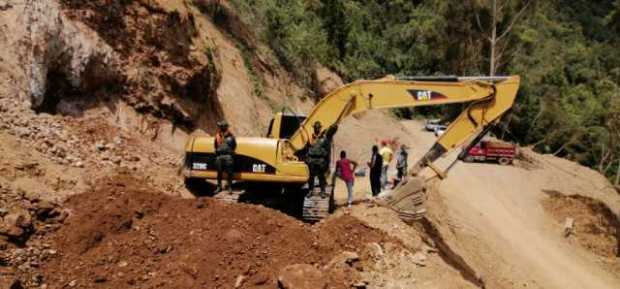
(489, 98)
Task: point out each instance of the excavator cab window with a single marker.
(270, 128)
(290, 124)
(283, 126)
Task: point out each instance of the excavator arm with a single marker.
(488, 97)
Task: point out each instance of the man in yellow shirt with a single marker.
(386, 154)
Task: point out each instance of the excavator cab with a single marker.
(284, 125)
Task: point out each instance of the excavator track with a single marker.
(317, 208)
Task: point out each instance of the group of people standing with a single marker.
(379, 165)
(317, 159)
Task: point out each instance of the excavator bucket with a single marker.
(407, 199)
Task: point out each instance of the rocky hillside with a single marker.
(165, 59)
(94, 89)
(148, 72)
(97, 99)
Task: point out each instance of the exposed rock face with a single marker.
(58, 46)
(166, 59)
(72, 55)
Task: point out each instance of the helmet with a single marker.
(317, 124)
(222, 124)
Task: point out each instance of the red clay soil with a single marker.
(127, 235)
(596, 227)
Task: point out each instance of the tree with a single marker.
(496, 35)
(565, 51)
(613, 19)
(613, 124)
(335, 23)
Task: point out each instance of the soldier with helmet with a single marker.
(225, 145)
(318, 154)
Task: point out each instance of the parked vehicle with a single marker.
(501, 152)
(439, 130)
(431, 124)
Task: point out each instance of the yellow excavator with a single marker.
(276, 159)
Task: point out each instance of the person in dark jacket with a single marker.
(225, 145)
(318, 154)
(375, 164)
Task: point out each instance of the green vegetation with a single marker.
(255, 78)
(565, 51)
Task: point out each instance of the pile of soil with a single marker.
(125, 234)
(596, 227)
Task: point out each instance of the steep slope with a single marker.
(104, 84)
(495, 217)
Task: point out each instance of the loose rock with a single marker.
(419, 259)
(344, 258)
(301, 276)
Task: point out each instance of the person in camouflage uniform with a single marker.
(318, 154)
(225, 145)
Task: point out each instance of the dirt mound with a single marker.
(595, 227)
(125, 234)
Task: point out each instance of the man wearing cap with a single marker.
(318, 154)
(225, 145)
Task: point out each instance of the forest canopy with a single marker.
(566, 53)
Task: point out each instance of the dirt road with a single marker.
(502, 229)
(505, 214)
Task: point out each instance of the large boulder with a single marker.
(59, 46)
(301, 276)
(16, 223)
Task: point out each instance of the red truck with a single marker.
(483, 151)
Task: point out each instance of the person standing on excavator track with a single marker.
(318, 155)
(225, 145)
